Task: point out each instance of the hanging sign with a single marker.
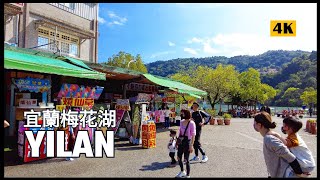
(142, 97)
(27, 102)
(32, 84)
(75, 91)
(123, 104)
(140, 87)
(77, 102)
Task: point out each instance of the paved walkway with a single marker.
(233, 151)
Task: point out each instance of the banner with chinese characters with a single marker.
(76, 91)
(33, 85)
(24, 149)
(140, 87)
(123, 104)
(142, 97)
(27, 102)
(159, 116)
(79, 102)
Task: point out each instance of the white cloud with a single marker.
(171, 43)
(195, 40)
(208, 49)
(101, 20)
(158, 54)
(116, 19)
(191, 51)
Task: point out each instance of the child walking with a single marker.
(297, 146)
(172, 147)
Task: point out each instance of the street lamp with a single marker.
(131, 62)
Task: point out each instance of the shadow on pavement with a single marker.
(127, 147)
(155, 166)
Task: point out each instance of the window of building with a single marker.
(68, 5)
(66, 43)
(43, 42)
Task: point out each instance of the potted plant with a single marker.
(219, 120)
(313, 127)
(227, 118)
(212, 114)
(308, 125)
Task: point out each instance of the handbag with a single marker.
(183, 140)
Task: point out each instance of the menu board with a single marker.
(123, 104)
(32, 84)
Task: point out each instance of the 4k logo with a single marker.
(283, 28)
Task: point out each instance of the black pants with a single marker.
(166, 122)
(173, 160)
(184, 149)
(197, 144)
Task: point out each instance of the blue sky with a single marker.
(162, 31)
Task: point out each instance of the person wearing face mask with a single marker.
(291, 126)
(186, 137)
(278, 157)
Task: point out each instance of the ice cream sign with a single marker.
(75, 91)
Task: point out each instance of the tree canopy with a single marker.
(126, 60)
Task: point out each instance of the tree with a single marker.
(266, 92)
(251, 88)
(219, 83)
(309, 96)
(122, 59)
(291, 96)
(250, 84)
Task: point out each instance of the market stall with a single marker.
(78, 98)
(32, 97)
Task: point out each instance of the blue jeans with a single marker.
(166, 122)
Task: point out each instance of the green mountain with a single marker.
(288, 71)
(269, 59)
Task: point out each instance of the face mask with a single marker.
(283, 131)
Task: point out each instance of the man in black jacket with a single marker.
(198, 116)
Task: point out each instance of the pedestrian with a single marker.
(310, 111)
(172, 147)
(278, 157)
(71, 142)
(187, 132)
(263, 108)
(197, 116)
(167, 118)
(291, 126)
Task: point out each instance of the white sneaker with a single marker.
(69, 159)
(204, 159)
(181, 174)
(195, 158)
(187, 176)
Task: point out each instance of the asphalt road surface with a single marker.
(233, 151)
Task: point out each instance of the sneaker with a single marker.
(204, 159)
(195, 158)
(181, 174)
(69, 159)
(187, 176)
